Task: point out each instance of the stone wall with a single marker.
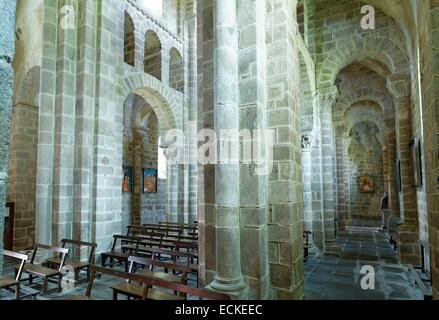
(364, 160)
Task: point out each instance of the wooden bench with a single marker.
(154, 292)
(428, 295)
(306, 245)
(148, 238)
(120, 255)
(101, 271)
(76, 264)
(146, 292)
(9, 283)
(40, 271)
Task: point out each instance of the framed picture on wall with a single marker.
(149, 180)
(366, 184)
(127, 182)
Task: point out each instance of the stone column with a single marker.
(317, 189)
(64, 137)
(228, 276)
(44, 189)
(191, 17)
(399, 86)
(252, 115)
(7, 49)
(307, 145)
(327, 97)
(347, 179)
(394, 188)
(84, 128)
(340, 172)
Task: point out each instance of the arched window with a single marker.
(129, 41)
(176, 70)
(153, 55)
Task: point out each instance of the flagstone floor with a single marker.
(339, 278)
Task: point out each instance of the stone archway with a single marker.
(167, 106)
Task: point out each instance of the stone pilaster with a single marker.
(307, 142)
(399, 86)
(347, 179)
(44, 189)
(252, 115)
(285, 213)
(64, 131)
(228, 277)
(341, 167)
(7, 49)
(85, 111)
(191, 17)
(327, 98)
(317, 189)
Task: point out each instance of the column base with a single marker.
(236, 288)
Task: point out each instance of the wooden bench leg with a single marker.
(31, 279)
(45, 286)
(17, 292)
(59, 283)
(114, 295)
(77, 275)
(104, 260)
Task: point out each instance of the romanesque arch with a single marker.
(350, 50)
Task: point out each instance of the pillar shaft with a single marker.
(399, 86)
(228, 276)
(327, 99)
(193, 110)
(307, 144)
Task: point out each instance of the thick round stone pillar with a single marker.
(228, 276)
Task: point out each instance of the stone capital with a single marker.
(340, 130)
(307, 142)
(328, 94)
(399, 85)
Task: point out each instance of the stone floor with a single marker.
(339, 278)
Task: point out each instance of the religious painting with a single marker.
(416, 163)
(149, 180)
(127, 182)
(366, 184)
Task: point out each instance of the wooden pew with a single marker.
(120, 255)
(133, 290)
(9, 283)
(40, 271)
(100, 271)
(76, 264)
(146, 292)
